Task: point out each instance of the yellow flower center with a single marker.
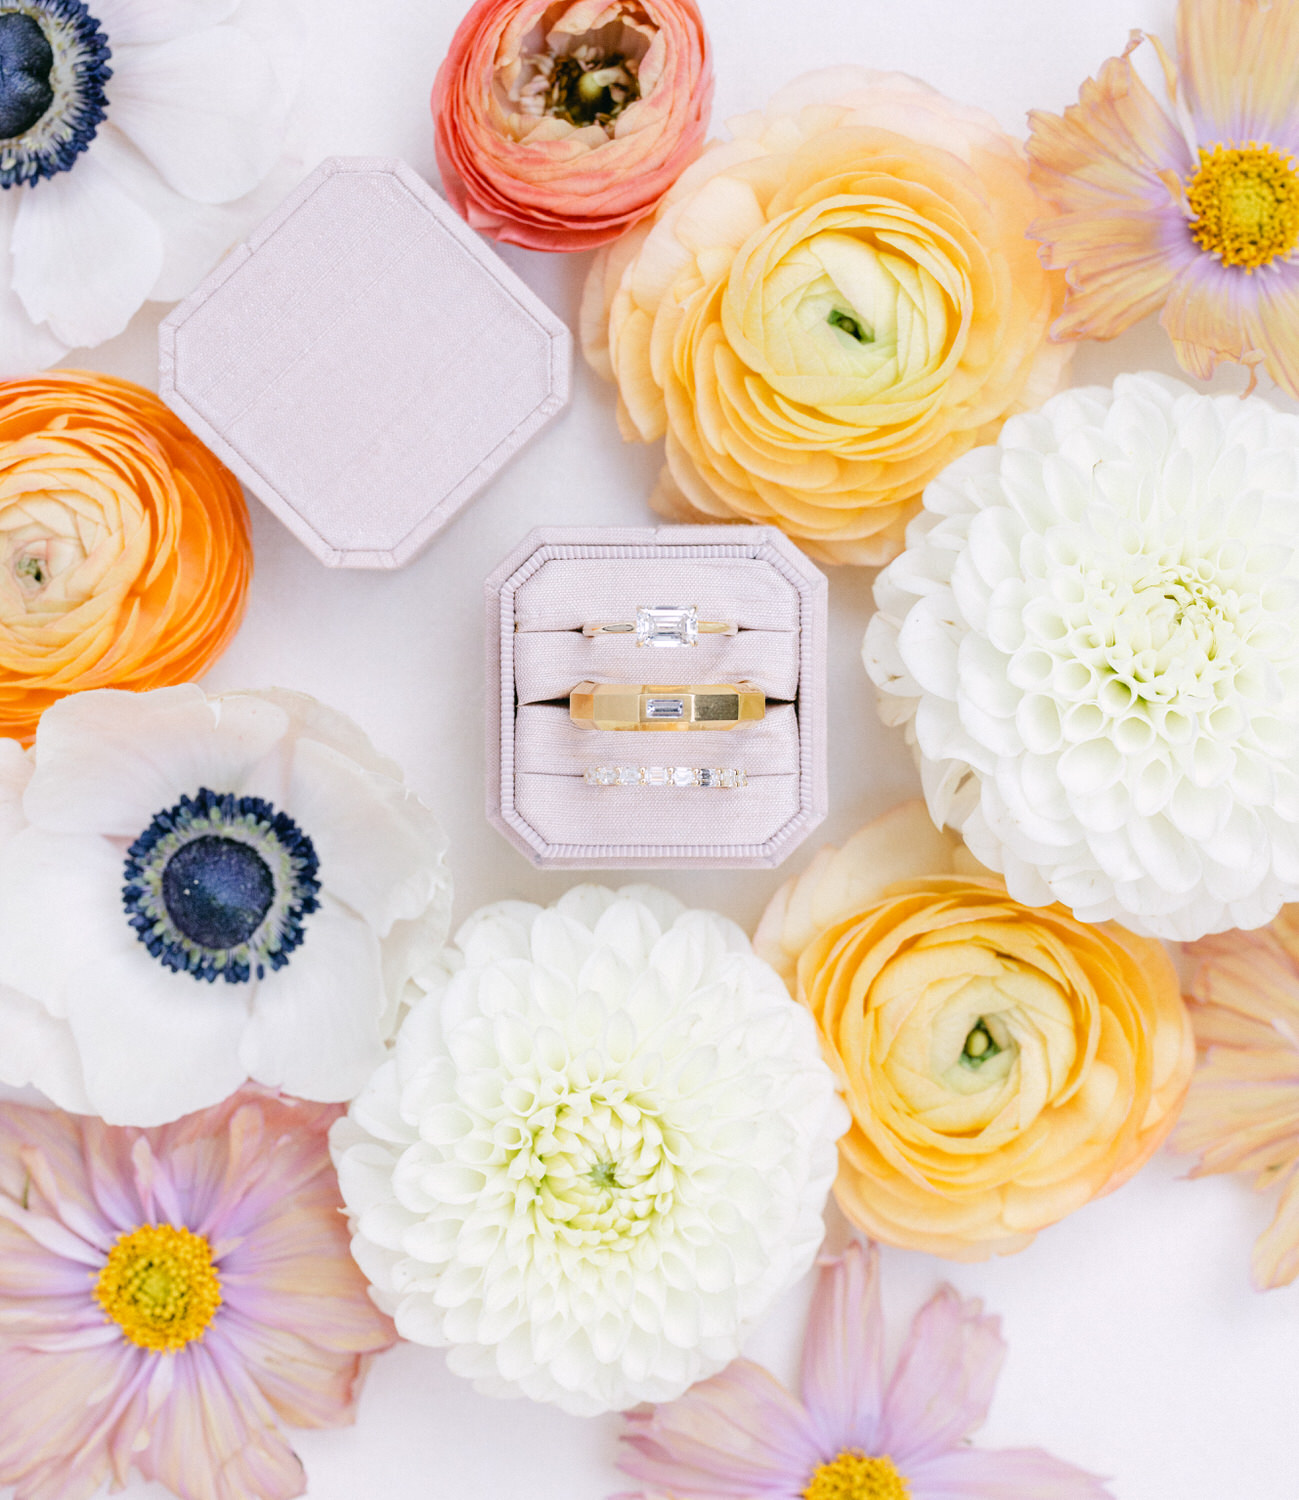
(160, 1287)
(854, 1476)
(1245, 202)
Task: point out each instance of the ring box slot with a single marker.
(562, 578)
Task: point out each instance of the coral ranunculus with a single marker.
(560, 123)
(827, 309)
(1004, 1064)
(125, 550)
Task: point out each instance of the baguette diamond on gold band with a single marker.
(612, 705)
(664, 625)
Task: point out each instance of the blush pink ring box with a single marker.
(364, 363)
(562, 578)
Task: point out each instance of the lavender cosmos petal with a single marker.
(107, 1156)
(53, 1144)
(1240, 70)
(1009, 1474)
(843, 1352)
(739, 1434)
(310, 1379)
(1216, 312)
(943, 1383)
(216, 1437)
(60, 1415)
(1117, 226)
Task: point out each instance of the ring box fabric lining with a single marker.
(562, 578)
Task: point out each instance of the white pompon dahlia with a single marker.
(599, 1150)
(1093, 640)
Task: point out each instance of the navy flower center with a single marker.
(53, 68)
(26, 62)
(217, 891)
(219, 886)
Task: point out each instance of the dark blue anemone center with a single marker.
(217, 891)
(26, 62)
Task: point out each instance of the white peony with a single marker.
(132, 134)
(1093, 641)
(197, 891)
(600, 1150)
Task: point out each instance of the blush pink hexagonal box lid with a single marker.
(364, 363)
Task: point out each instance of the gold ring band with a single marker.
(613, 705)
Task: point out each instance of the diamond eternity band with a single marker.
(714, 776)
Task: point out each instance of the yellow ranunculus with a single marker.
(1004, 1064)
(828, 309)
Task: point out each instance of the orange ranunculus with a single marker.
(1004, 1064)
(827, 310)
(125, 550)
(560, 123)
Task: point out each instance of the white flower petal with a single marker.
(108, 761)
(85, 255)
(37, 1049)
(195, 235)
(314, 1030)
(15, 773)
(60, 898)
(1092, 640)
(24, 346)
(154, 1045)
(380, 848)
(203, 109)
(127, 22)
(674, 1107)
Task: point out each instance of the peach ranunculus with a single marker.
(125, 551)
(827, 310)
(1004, 1064)
(560, 123)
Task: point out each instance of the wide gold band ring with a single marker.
(614, 705)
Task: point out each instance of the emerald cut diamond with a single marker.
(667, 625)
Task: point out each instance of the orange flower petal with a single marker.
(125, 549)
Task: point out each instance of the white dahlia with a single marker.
(199, 891)
(600, 1150)
(1093, 641)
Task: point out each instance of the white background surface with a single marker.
(1137, 1347)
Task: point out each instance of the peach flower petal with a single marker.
(827, 310)
(903, 956)
(1119, 232)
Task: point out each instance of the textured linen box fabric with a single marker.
(559, 579)
(364, 363)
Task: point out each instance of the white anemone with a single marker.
(601, 1148)
(1093, 640)
(198, 891)
(132, 134)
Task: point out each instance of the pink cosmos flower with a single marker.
(168, 1297)
(854, 1433)
(560, 123)
(1242, 1114)
(1192, 207)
